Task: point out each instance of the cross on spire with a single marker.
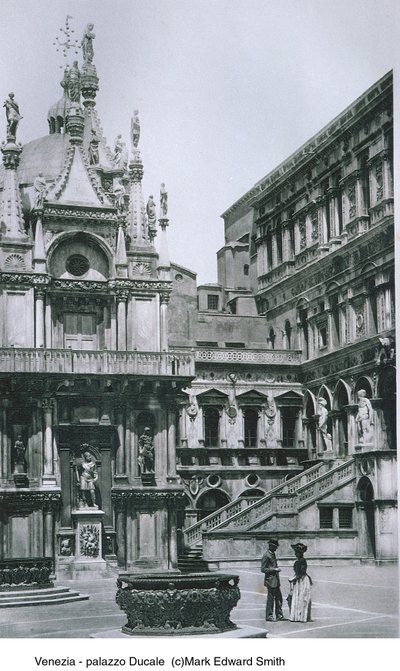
(65, 42)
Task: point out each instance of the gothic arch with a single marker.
(211, 500)
(341, 390)
(364, 382)
(325, 393)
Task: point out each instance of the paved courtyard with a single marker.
(359, 601)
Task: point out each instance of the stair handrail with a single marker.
(219, 518)
(330, 473)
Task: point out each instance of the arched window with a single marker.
(250, 427)
(211, 501)
(373, 308)
(211, 427)
(279, 241)
(342, 436)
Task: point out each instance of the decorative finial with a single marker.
(163, 202)
(135, 129)
(13, 116)
(87, 44)
(66, 44)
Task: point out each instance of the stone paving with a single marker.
(357, 601)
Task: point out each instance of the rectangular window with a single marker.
(323, 336)
(235, 345)
(325, 518)
(345, 518)
(289, 420)
(212, 302)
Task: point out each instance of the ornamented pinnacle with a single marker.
(90, 80)
(135, 130)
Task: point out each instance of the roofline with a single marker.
(258, 186)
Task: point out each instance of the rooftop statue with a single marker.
(74, 83)
(94, 148)
(87, 44)
(40, 188)
(12, 114)
(120, 153)
(151, 211)
(163, 201)
(135, 129)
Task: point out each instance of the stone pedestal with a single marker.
(88, 540)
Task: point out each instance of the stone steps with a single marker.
(37, 597)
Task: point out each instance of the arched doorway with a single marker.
(366, 497)
(211, 501)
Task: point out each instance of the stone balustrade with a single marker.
(204, 457)
(21, 360)
(247, 356)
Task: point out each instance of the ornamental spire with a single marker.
(164, 265)
(11, 219)
(141, 231)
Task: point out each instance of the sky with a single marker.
(226, 89)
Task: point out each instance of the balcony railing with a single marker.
(173, 364)
(248, 356)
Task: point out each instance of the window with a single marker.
(246, 269)
(271, 337)
(323, 336)
(288, 332)
(326, 518)
(80, 330)
(206, 343)
(250, 427)
(279, 242)
(289, 421)
(77, 265)
(212, 302)
(211, 427)
(235, 345)
(345, 518)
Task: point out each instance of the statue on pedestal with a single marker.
(12, 114)
(87, 476)
(135, 129)
(146, 452)
(151, 212)
(120, 153)
(94, 149)
(119, 193)
(40, 188)
(74, 83)
(323, 424)
(19, 455)
(87, 44)
(163, 201)
(364, 418)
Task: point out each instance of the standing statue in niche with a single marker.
(94, 149)
(146, 452)
(19, 455)
(120, 153)
(87, 477)
(119, 194)
(87, 44)
(135, 129)
(323, 424)
(163, 201)
(40, 188)
(72, 83)
(364, 418)
(12, 114)
(151, 211)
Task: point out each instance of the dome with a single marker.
(46, 155)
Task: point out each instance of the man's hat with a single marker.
(300, 547)
(273, 541)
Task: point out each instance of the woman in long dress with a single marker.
(299, 599)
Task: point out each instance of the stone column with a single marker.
(48, 462)
(387, 178)
(121, 533)
(134, 466)
(39, 318)
(48, 532)
(171, 455)
(164, 299)
(274, 250)
(286, 247)
(120, 453)
(113, 327)
(172, 540)
(121, 320)
(48, 323)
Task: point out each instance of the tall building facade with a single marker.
(141, 414)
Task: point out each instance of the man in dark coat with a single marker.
(269, 566)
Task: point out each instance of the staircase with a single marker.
(280, 510)
(191, 561)
(38, 597)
